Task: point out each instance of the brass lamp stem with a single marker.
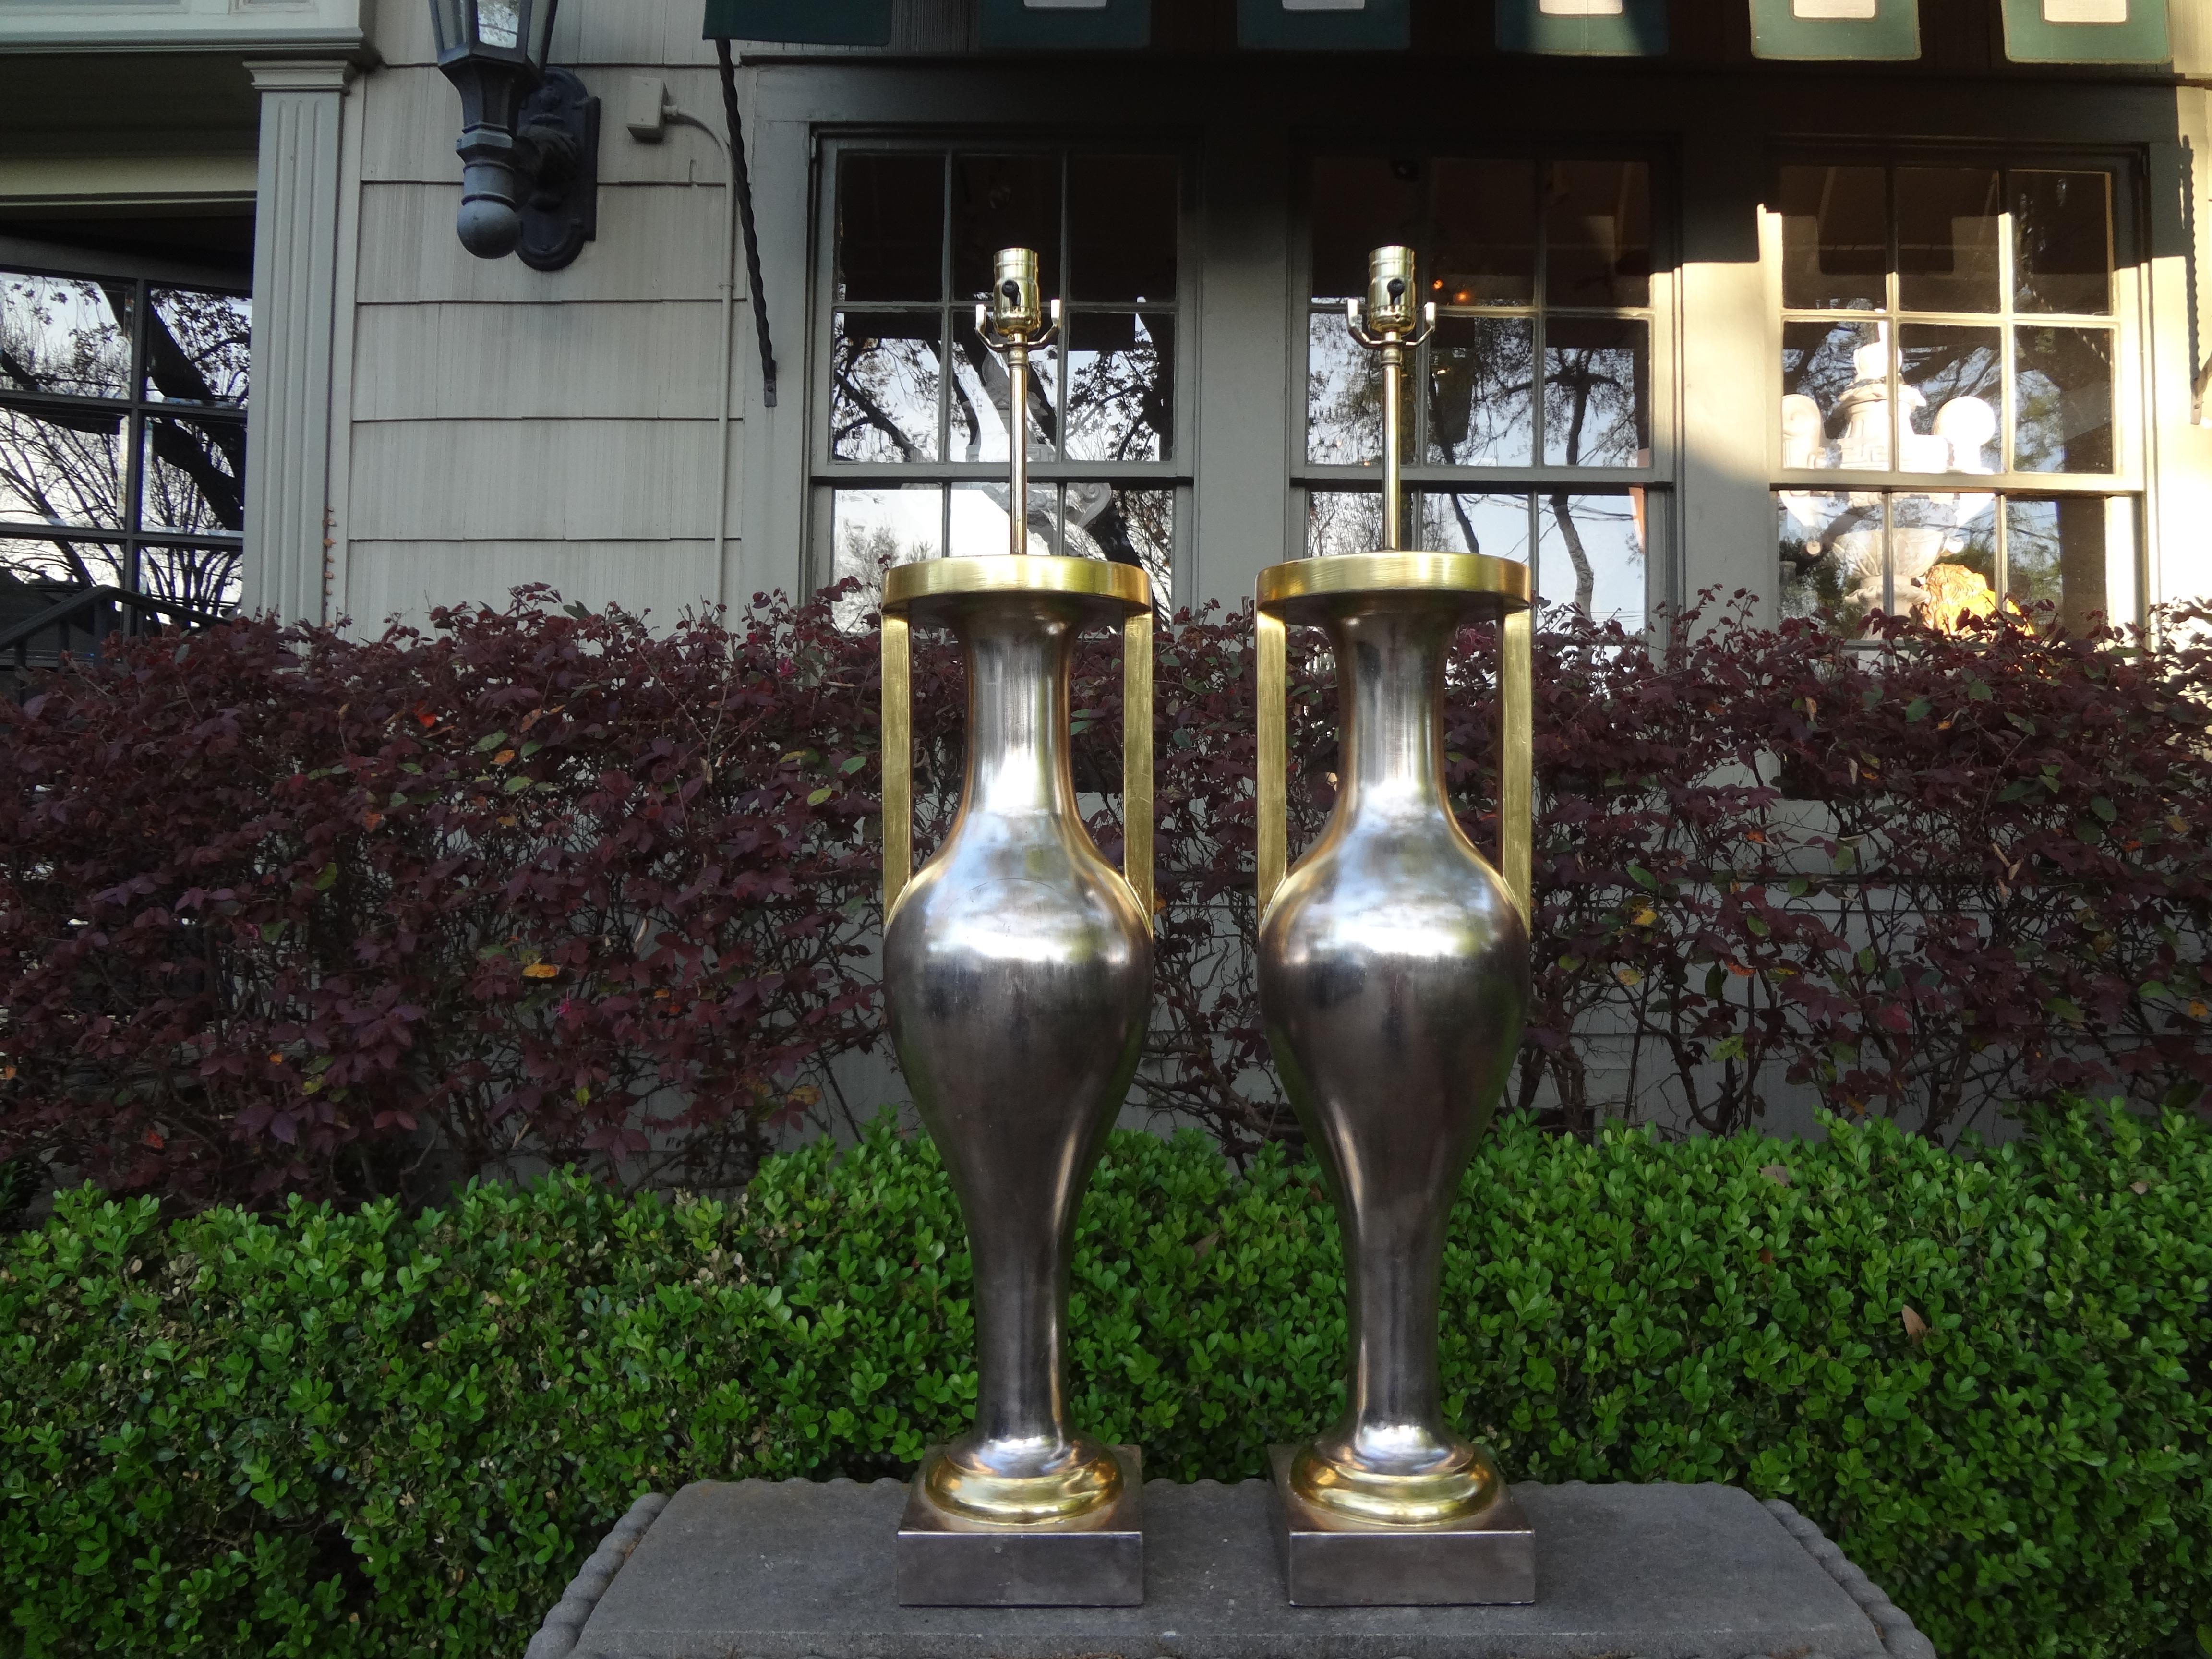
(1012, 321)
(1384, 322)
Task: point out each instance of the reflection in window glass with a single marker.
(1001, 202)
(1596, 403)
(34, 575)
(977, 523)
(193, 478)
(65, 466)
(1835, 238)
(871, 530)
(981, 399)
(1485, 215)
(1122, 228)
(1494, 524)
(1597, 233)
(1126, 526)
(1833, 566)
(2063, 242)
(1359, 203)
(1828, 370)
(199, 350)
(883, 369)
(1590, 554)
(1121, 386)
(1344, 395)
(2064, 388)
(69, 335)
(1943, 558)
(1951, 384)
(208, 578)
(1947, 239)
(2069, 563)
(1341, 521)
(891, 228)
(1481, 407)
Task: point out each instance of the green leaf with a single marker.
(326, 877)
(496, 740)
(853, 763)
(2104, 809)
(1917, 710)
(819, 796)
(1643, 877)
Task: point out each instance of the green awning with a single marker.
(1608, 28)
(2035, 31)
(1324, 24)
(1065, 25)
(2085, 32)
(802, 22)
(1860, 29)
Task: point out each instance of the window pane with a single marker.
(2063, 382)
(1121, 216)
(1597, 233)
(981, 399)
(1835, 383)
(883, 369)
(1344, 395)
(1002, 202)
(1121, 386)
(1128, 526)
(63, 467)
(2062, 242)
(194, 476)
(1481, 402)
(1943, 558)
(1952, 385)
(199, 346)
(1485, 236)
(891, 228)
(1343, 521)
(34, 575)
(979, 519)
(1358, 204)
(1831, 546)
(64, 334)
(1835, 241)
(2070, 563)
(1589, 554)
(206, 578)
(1495, 525)
(1947, 239)
(871, 530)
(1596, 402)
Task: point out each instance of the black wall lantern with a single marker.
(529, 135)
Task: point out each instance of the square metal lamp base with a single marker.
(1489, 1559)
(1098, 1561)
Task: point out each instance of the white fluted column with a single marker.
(296, 236)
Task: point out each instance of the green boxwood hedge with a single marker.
(1989, 1374)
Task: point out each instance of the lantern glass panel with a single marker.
(449, 21)
(538, 27)
(499, 23)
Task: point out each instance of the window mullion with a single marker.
(134, 461)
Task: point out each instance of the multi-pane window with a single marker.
(911, 441)
(122, 436)
(1529, 429)
(1950, 332)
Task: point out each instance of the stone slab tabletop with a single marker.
(799, 1569)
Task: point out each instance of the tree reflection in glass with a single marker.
(883, 370)
(1590, 554)
(1596, 395)
(1481, 392)
(1494, 524)
(1121, 386)
(2063, 382)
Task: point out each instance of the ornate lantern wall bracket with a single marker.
(530, 134)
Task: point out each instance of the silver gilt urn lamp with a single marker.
(1018, 975)
(1393, 968)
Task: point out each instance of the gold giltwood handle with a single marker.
(898, 763)
(898, 735)
(1517, 708)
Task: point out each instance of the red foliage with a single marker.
(284, 911)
